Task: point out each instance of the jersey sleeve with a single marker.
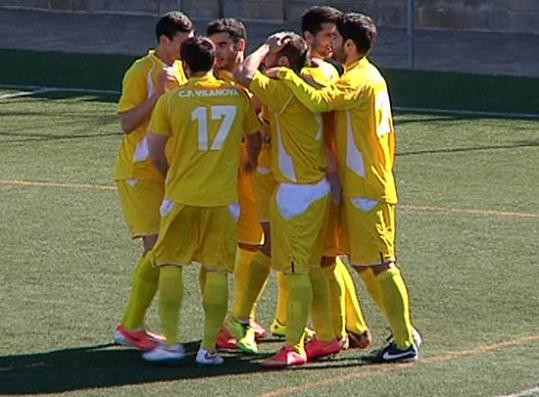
(343, 95)
(269, 91)
(134, 89)
(160, 121)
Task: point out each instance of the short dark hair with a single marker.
(296, 50)
(171, 23)
(360, 29)
(198, 53)
(314, 17)
(234, 27)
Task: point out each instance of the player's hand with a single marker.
(277, 41)
(166, 80)
(273, 73)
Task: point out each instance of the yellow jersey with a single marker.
(138, 85)
(365, 137)
(298, 152)
(206, 119)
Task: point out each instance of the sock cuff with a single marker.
(387, 274)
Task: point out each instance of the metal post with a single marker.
(179, 5)
(411, 34)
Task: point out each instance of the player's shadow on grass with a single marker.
(103, 366)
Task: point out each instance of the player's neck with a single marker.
(353, 58)
(162, 55)
(198, 75)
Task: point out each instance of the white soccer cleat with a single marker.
(164, 353)
(205, 357)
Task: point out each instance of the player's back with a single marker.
(207, 120)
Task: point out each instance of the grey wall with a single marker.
(489, 15)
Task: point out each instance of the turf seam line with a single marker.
(396, 108)
(388, 368)
(522, 393)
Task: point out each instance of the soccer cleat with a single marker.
(165, 354)
(140, 338)
(359, 341)
(392, 354)
(279, 330)
(225, 340)
(317, 348)
(417, 337)
(205, 357)
(259, 329)
(285, 357)
(244, 334)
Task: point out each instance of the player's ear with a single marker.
(283, 61)
(309, 38)
(241, 45)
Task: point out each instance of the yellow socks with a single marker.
(142, 292)
(372, 285)
(397, 306)
(282, 298)
(297, 313)
(170, 300)
(249, 286)
(241, 274)
(355, 320)
(336, 293)
(215, 301)
(321, 311)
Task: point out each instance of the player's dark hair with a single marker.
(314, 17)
(360, 29)
(171, 23)
(296, 50)
(198, 53)
(235, 28)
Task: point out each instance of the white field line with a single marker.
(467, 112)
(25, 93)
(57, 89)
(397, 108)
(523, 393)
(406, 207)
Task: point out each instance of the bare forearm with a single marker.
(133, 118)
(246, 71)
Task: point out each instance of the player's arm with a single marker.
(340, 96)
(158, 132)
(139, 114)
(156, 145)
(245, 72)
(254, 146)
(253, 138)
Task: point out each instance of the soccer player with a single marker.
(300, 201)
(318, 25)
(230, 38)
(205, 119)
(140, 184)
(365, 141)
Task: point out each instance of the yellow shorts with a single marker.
(264, 186)
(249, 229)
(369, 231)
(140, 201)
(206, 235)
(298, 214)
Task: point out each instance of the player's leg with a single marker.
(175, 248)
(140, 202)
(295, 234)
(371, 230)
(217, 254)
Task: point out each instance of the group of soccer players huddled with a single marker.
(282, 159)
